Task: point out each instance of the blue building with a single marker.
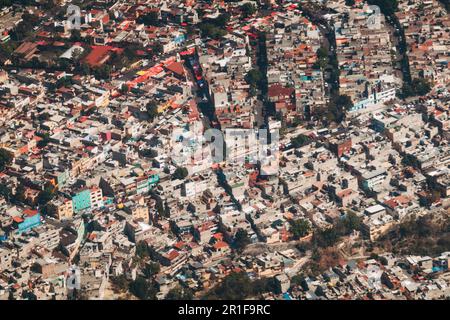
(29, 220)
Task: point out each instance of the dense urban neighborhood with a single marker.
(182, 149)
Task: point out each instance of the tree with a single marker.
(151, 269)
(324, 259)
(45, 196)
(143, 289)
(142, 249)
(6, 158)
(214, 28)
(418, 87)
(5, 191)
(338, 107)
(421, 86)
(248, 9)
(179, 293)
(5, 3)
(387, 7)
(322, 55)
(209, 30)
(152, 109)
(180, 173)
(157, 48)
(75, 35)
(103, 72)
(300, 141)
(253, 77)
(124, 88)
(25, 27)
(344, 102)
(149, 153)
(120, 283)
(19, 194)
(43, 116)
(222, 20)
(300, 228)
(351, 222)
(45, 140)
(76, 54)
(326, 238)
(238, 286)
(241, 239)
(349, 3)
(150, 19)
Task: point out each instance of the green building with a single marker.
(81, 200)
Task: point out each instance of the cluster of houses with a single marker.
(101, 165)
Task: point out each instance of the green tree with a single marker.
(209, 30)
(326, 238)
(253, 77)
(421, 86)
(152, 109)
(142, 250)
(6, 158)
(238, 286)
(143, 289)
(241, 239)
(300, 228)
(120, 283)
(5, 3)
(248, 9)
(5, 191)
(75, 35)
(19, 194)
(150, 19)
(179, 293)
(149, 153)
(344, 102)
(151, 269)
(180, 173)
(351, 222)
(157, 48)
(349, 3)
(103, 72)
(235, 286)
(387, 7)
(45, 196)
(322, 55)
(300, 141)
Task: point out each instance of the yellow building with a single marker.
(61, 209)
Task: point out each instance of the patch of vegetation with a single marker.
(179, 293)
(150, 19)
(214, 28)
(424, 236)
(387, 7)
(238, 286)
(254, 78)
(6, 158)
(248, 9)
(143, 289)
(149, 153)
(300, 228)
(418, 87)
(343, 227)
(152, 109)
(300, 141)
(241, 240)
(25, 28)
(180, 173)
